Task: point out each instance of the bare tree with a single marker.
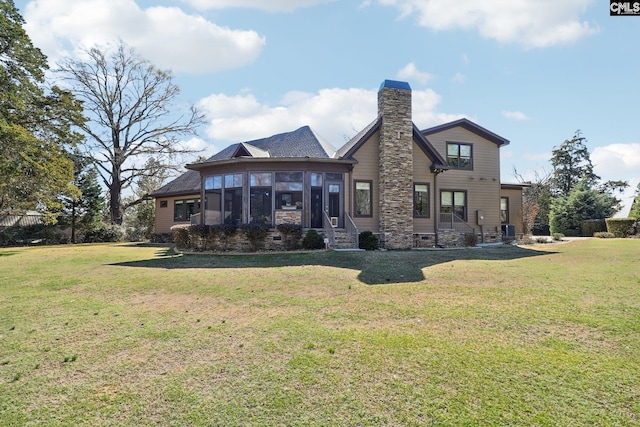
(132, 117)
(536, 200)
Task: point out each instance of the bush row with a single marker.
(43, 234)
(622, 227)
(246, 237)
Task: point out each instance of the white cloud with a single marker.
(531, 23)
(202, 147)
(617, 161)
(269, 5)
(515, 115)
(336, 114)
(411, 72)
(166, 36)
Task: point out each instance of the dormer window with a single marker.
(459, 156)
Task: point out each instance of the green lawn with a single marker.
(138, 335)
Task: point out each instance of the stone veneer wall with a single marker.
(396, 167)
(453, 239)
(238, 242)
(293, 216)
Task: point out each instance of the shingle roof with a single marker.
(302, 142)
(188, 182)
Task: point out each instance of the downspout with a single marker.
(435, 210)
(436, 171)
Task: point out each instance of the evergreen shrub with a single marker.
(368, 241)
(313, 240)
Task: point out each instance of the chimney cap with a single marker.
(394, 84)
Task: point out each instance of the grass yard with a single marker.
(138, 335)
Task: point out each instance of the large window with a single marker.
(453, 205)
(504, 210)
(213, 199)
(183, 209)
(363, 199)
(421, 200)
(260, 197)
(459, 156)
(289, 190)
(233, 198)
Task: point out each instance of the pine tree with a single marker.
(571, 165)
(83, 212)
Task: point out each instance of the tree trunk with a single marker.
(115, 201)
(73, 223)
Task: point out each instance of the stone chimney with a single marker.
(396, 165)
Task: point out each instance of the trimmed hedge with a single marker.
(620, 227)
(592, 226)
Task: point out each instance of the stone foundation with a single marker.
(424, 240)
(293, 216)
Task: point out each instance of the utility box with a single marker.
(480, 217)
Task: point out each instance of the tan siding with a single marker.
(422, 174)
(482, 183)
(367, 169)
(515, 208)
(164, 216)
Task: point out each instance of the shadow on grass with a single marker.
(8, 253)
(376, 267)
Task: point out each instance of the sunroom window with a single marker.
(260, 197)
(289, 190)
(233, 198)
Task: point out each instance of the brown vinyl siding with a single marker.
(422, 174)
(515, 207)
(367, 170)
(482, 183)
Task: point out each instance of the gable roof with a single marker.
(247, 150)
(356, 142)
(188, 182)
(361, 137)
(429, 150)
(471, 127)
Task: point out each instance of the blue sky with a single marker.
(532, 71)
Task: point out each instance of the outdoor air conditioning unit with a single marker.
(508, 230)
(334, 221)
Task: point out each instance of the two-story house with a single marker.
(411, 187)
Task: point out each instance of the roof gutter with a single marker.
(236, 160)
